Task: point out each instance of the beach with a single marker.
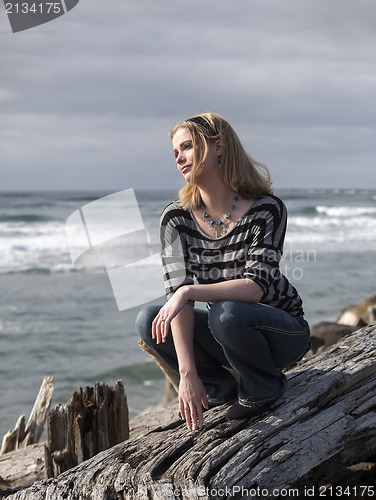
(61, 322)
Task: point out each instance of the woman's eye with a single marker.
(184, 147)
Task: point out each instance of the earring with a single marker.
(219, 161)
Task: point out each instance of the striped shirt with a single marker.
(251, 249)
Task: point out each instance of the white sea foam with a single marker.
(33, 246)
(345, 211)
(325, 224)
(43, 247)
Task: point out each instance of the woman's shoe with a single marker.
(238, 411)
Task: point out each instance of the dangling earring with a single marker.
(219, 161)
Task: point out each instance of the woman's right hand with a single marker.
(192, 397)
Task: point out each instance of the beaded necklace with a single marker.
(222, 225)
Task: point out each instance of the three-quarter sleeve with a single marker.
(176, 269)
(264, 249)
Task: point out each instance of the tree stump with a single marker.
(324, 423)
(92, 421)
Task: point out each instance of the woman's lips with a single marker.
(185, 168)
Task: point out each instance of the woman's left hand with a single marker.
(167, 313)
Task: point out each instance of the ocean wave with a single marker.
(33, 242)
(26, 218)
(340, 242)
(52, 269)
(307, 223)
(345, 211)
(40, 247)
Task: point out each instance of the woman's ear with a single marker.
(218, 148)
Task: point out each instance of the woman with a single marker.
(221, 244)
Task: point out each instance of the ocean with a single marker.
(55, 320)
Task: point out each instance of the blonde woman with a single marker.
(222, 242)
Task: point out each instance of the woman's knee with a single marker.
(144, 321)
(222, 317)
(227, 317)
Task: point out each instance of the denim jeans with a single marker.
(255, 340)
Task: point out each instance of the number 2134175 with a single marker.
(33, 8)
(343, 492)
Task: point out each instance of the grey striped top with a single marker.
(251, 249)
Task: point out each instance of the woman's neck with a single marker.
(217, 198)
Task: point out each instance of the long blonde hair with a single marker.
(238, 170)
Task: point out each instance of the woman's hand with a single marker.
(192, 397)
(167, 313)
(192, 393)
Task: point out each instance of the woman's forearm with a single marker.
(192, 393)
(178, 312)
(244, 290)
(182, 327)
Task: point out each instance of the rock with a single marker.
(358, 315)
(327, 333)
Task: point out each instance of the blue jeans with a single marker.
(255, 340)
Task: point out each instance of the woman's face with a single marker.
(184, 154)
(183, 151)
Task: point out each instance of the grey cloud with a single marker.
(304, 71)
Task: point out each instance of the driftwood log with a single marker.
(22, 436)
(324, 423)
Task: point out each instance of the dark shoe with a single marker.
(214, 404)
(238, 411)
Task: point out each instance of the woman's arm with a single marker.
(192, 394)
(242, 289)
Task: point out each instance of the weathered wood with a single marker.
(13, 437)
(171, 376)
(156, 417)
(20, 437)
(38, 415)
(324, 423)
(93, 420)
(21, 468)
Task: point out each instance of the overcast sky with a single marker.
(87, 100)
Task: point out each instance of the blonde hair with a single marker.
(238, 170)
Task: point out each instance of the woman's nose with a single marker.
(180, 158)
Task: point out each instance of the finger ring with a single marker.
(163, 319)
(187, 408)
